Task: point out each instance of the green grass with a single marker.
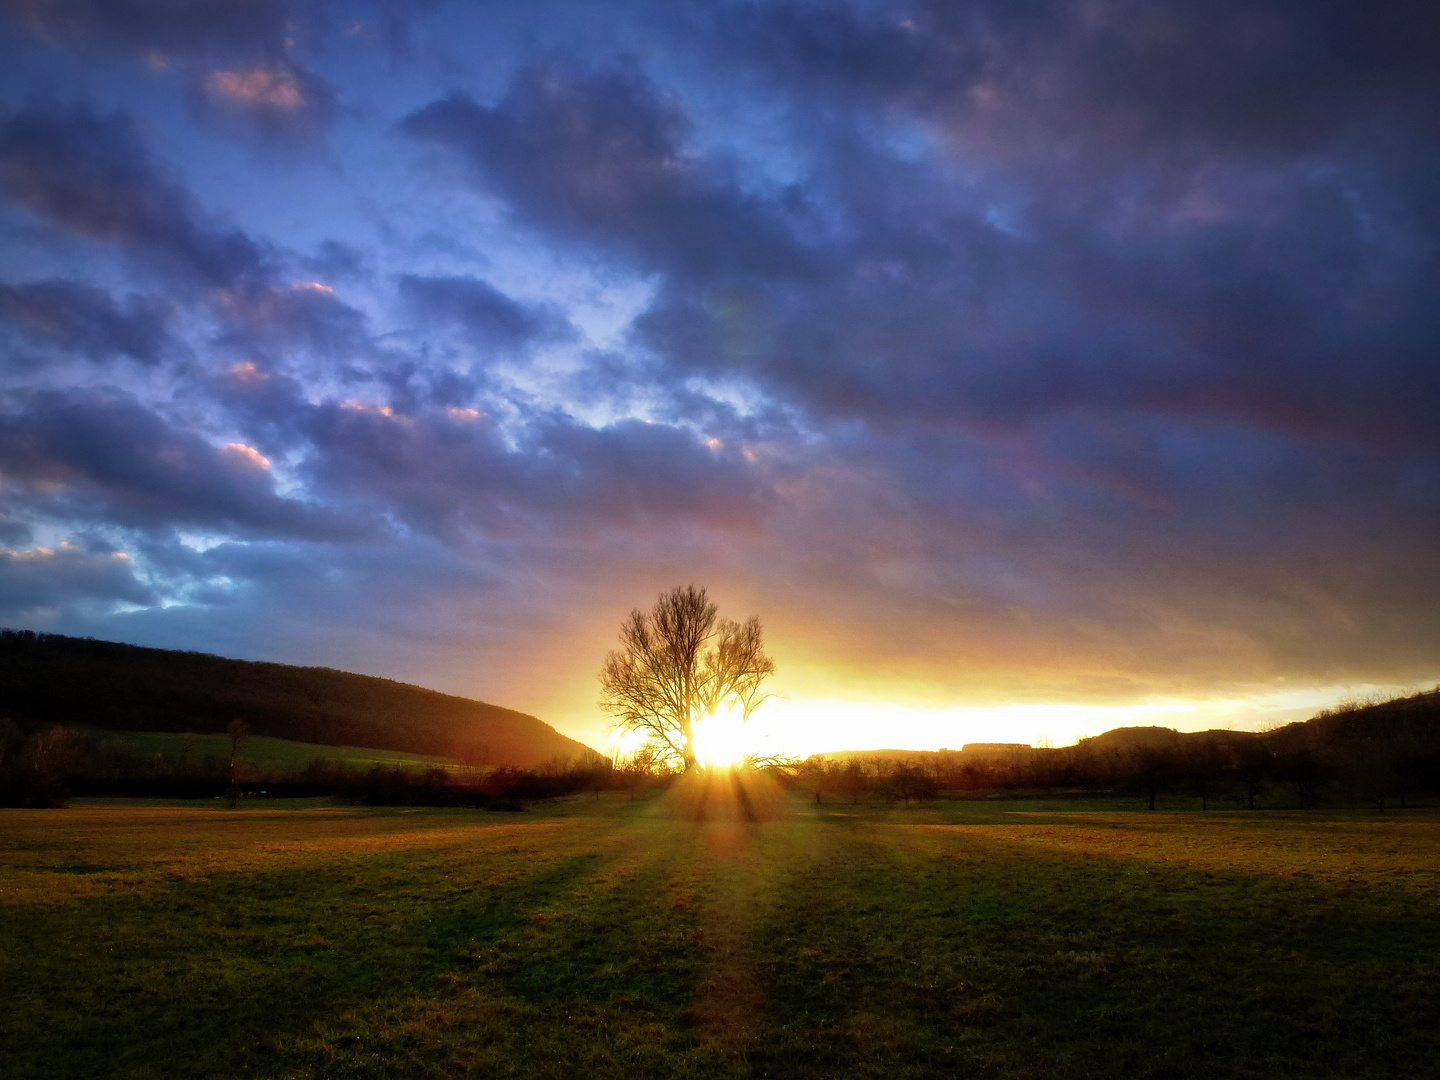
(625, 939)
(263, 752)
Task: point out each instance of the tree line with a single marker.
(1383, 755)
(47, 766)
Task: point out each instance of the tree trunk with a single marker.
(689, 733)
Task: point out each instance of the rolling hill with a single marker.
(53, 679)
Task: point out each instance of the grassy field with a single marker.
(264, 753)
(616, 938)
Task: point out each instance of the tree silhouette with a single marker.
(238, 732)
(853, 780)
(677, 664)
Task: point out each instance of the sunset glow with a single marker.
(1024, 376)
(801, 728)
(724, 739)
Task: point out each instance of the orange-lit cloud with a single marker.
(247, 454)
(247, 371)
(273, 88)
(279, 102)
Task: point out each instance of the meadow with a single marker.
(262, 753)
(617, 937)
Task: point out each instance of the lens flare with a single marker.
(723, 739)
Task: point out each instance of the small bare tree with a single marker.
(677, 664)
(238, 732)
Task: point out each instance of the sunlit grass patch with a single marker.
(261, 751)
(140, 847)
(1335, 847)
(619, 938)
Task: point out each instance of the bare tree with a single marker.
(677, 664)
(854, 779)
(238, 732)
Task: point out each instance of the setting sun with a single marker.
(724, 739)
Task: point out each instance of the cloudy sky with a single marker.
(1027, 367)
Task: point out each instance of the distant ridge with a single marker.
(968, 752)
(54, 679)
(1416, 715)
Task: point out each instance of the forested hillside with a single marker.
(48, 679)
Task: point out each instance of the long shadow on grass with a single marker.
(909, 953)
(210, 976)
(596, 979)
(600, 976)
(543, 961)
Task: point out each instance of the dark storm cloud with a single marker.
(109, 458)
(240, 56)
(90, 173)
(269, 405)
(41, 579)
(1301, 325)
(1231, 206)
(79, 318)
(493, 318)
(1269, 77)
(443, 472)
(601, 157)
(483, 467)
(1216, 268)
(142, 28)
(299, 314)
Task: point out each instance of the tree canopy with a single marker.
(679, 663)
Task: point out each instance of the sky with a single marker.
(1028, 368)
